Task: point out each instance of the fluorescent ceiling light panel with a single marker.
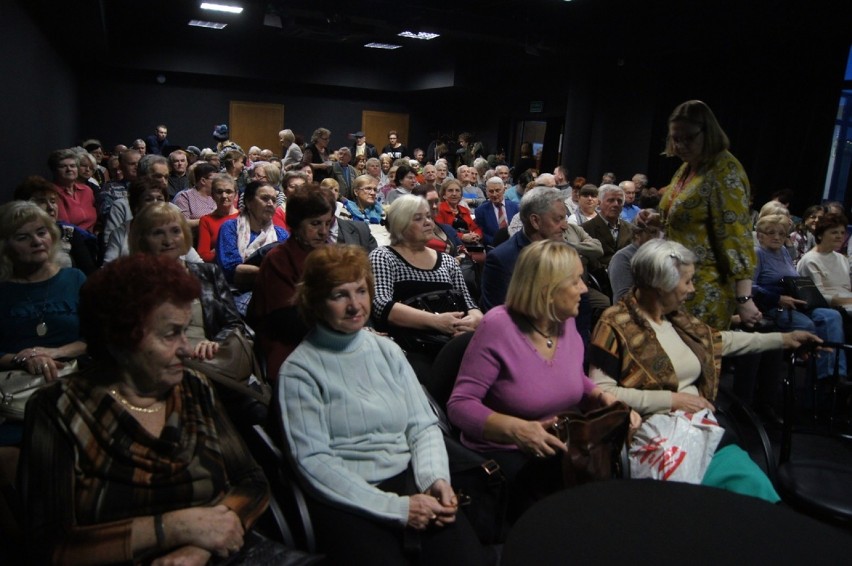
(420, 35)
(375, 45)
(206, 24)
(221, 8)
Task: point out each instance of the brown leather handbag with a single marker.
(595, 441)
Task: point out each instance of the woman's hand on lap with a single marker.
(788, 302)
(690, 403)
(532, 437)
(217, 529)
(468, 323)
(443, 492)
(424, 509)
(184, 556)
(447, 322)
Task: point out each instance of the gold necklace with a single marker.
(132, 407)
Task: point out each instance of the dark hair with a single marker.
(401, 172)
(251, 191)
(588, 189)
(828, 221)
(326, 268)
(809, 211)
(204, 170)
(309, 201)
(578, 183)
(138, 188)
(33, 184)
(116, 301)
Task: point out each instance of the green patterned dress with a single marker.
(709, 214)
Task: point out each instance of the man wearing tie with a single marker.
(496, 212)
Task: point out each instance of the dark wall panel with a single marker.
(39, 108)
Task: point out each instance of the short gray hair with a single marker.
(606, 188)
(400, 213)
(538, 200)
(61, 155)
(657, 264)
(545, 178)
(146, 162)
(495, 181)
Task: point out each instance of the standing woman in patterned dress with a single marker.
(706, 209)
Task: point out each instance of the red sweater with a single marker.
(208, 234)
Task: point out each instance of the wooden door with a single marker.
(377, 125)
(256, 123)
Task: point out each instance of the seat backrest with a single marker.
(289, 508)
(445, 369)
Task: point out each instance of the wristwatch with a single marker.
(744, 299)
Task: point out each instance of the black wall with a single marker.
(776, 95)
(39, 110)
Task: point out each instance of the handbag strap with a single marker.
(226, 381)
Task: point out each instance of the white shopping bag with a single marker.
(675, 446)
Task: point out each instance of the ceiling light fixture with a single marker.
(419, 35)
(206, 24)
(375, 45)
(221, 8)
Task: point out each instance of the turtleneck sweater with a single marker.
(354, 416)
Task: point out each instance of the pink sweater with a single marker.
(503, 372)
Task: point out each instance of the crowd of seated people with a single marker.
(200, 244)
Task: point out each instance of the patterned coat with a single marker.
(710, 216)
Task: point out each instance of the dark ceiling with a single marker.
(310, 33)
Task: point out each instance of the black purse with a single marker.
(429, 341)
(803, 288)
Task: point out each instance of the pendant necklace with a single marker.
(41, 325)
(548, 339)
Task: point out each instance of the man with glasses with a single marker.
(394, 148)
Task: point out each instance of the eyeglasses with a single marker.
(773, 233)
(368, 189)
(686, 140)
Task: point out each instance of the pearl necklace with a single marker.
(132, 407)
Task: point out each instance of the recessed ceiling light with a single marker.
(375, 45)
(221, 8)
(206, 24)
(419, 35)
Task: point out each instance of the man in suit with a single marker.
(344, 173)
(344, 231)
(544, 217)
(356, 233)
(496, 212)
(608, 227)
(361, 147)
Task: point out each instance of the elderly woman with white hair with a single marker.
(651, 353)
(292, 152)
(407, 267)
